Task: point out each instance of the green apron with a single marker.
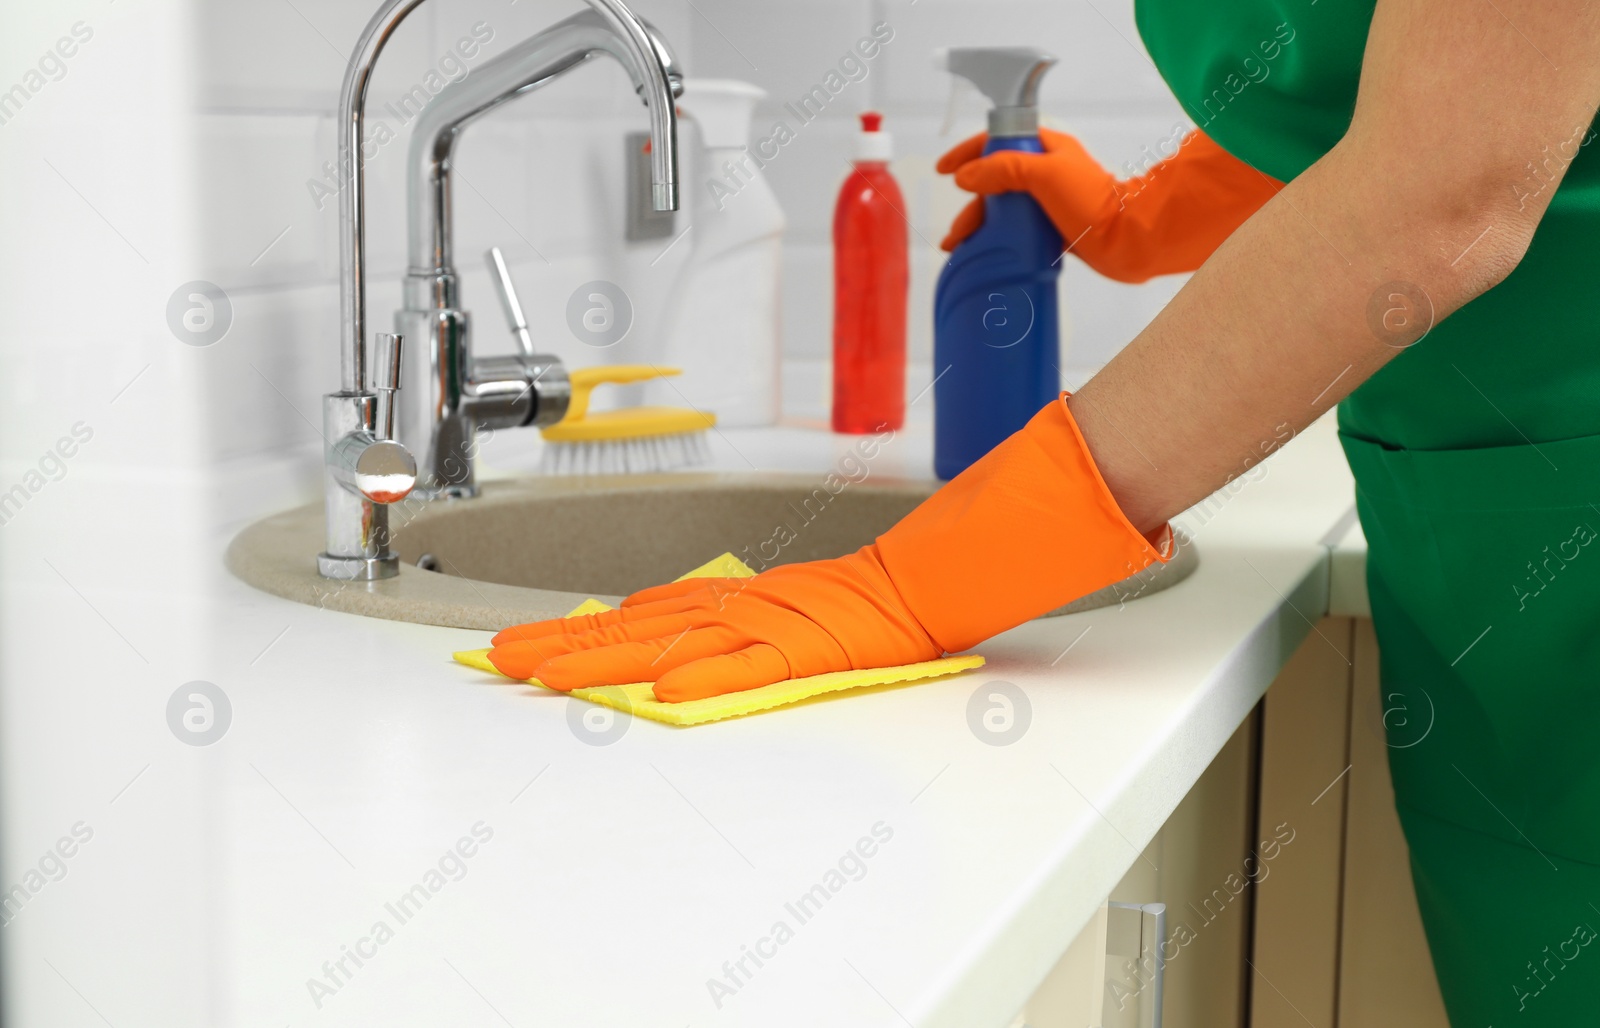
(1476, 454)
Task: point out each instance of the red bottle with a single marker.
(870, 281)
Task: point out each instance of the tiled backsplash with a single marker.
(543, 179)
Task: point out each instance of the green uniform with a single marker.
(1476, 454)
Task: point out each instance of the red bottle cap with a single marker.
(870, 121)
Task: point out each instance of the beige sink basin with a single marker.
(533, 548)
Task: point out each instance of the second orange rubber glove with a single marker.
(1168, 220)
(1025, 529)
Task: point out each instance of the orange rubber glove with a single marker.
(1025, 529)
(1168, 220)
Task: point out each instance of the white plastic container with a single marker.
(721, 323)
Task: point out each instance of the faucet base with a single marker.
(358, 569)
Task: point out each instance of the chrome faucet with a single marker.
(449, 393)
(453, 393)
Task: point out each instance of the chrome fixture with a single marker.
(454, 393)
(367, 467)
(515, 320)
(364, 470)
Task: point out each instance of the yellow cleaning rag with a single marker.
(639, 698)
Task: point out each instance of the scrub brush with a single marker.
(627, 441)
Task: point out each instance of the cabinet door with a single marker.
(1196, 867)
(1385, 970)
(1305, 774)
(1338, 940)
(1072, 995)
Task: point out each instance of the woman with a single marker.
(1399, 273)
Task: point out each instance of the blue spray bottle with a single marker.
(995, 349)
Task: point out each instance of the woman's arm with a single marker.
(1455, 99)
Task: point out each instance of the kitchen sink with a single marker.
(531, 548)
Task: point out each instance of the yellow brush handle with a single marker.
(585, 379)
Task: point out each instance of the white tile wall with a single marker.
(543, 179)
(785, 48)
(1101, 64)
(291, 55)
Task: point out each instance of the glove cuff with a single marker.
(1025, 529)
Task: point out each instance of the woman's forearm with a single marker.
(1289, 316)
(1412, 215)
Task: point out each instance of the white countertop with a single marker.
(619, 878)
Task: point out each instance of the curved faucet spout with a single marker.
(644, 56)
(524, 68)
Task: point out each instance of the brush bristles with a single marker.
(626, 456)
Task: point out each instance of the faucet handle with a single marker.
(508, 299)
(380, 470)
(385, 381)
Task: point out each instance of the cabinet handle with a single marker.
(1158, 912)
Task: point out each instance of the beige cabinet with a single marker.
(1284, 876)
(1339, 939)
(1385, 972)
(1198, 868)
